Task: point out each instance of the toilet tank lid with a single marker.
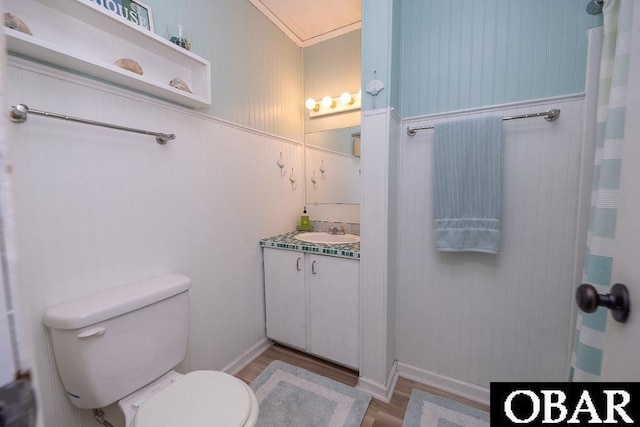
(114, 302)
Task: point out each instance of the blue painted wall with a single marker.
(330, 68)
(432, 55)
(377, 28)
(256, 70)
(459, 54)
(396, 49)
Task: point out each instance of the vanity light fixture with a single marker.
(312, 104)
(330, 105)
(346, 98)
(328, 102)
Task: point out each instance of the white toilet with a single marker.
(121, 346)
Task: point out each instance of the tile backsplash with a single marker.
(322, 225)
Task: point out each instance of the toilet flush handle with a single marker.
(93, 332)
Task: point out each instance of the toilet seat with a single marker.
(200, 398)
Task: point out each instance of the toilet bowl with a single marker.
(199, 398)
(122, 345)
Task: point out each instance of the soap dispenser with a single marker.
(305, 224)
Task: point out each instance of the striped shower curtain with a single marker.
(586, 360)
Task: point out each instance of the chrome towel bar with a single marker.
(18, 113)
(550, 116)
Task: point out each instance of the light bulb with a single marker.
(328, 102)
(311, 104)
(346, 98)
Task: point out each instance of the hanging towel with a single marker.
(468, 185)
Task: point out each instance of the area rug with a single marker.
(428, 410)
(292, 396)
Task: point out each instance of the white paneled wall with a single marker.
(99, 208)
(377, 292)
(478, 318)
(8, 363)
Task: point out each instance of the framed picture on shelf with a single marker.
(132, 10)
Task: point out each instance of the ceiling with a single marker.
(308, 22)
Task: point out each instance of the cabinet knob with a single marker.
(617, 300)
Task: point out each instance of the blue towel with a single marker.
(468, 185)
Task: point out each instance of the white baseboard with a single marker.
(469, 391)
(380, 391)
(248, 356)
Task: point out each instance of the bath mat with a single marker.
(292, 396)
(428, 410)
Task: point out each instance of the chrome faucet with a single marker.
(333, 229)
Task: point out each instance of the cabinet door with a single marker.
(334, 307)
(285, 297)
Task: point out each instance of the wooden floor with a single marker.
(378, 414)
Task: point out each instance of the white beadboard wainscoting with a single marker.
(99, 208)
(467, 319)
(11, 349)
(378, 287)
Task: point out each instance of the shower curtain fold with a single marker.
(586, 361)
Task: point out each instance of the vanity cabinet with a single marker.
(285, 297)
(312, 303)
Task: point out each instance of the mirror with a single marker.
(332, 166)
(332, 171)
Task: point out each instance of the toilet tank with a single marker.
(110, 344)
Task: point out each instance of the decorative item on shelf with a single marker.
(292, 178)
(178, 35)
(15, 23)
(129, 64)
(323, 170)
(94, 38)
(314, 180)
(178, 83)
(132, 10)
(280, 164)
(347, 101)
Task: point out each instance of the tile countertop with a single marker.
(288, 241)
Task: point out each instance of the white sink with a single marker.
(322, 237)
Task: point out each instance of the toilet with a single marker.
(122, 345)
